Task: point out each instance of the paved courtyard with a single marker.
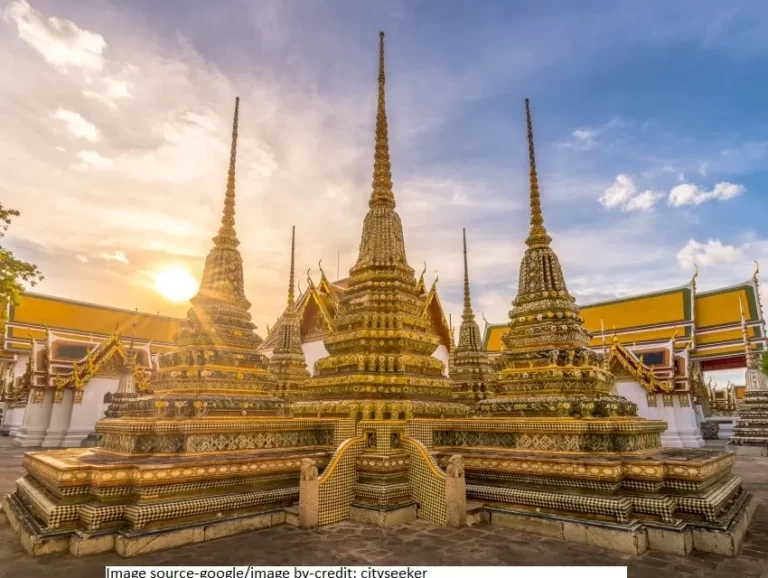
(417, 544)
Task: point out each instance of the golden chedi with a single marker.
(555, 452)
(287, 363)
(547, 368)
(380, 363)
(215, 370)
(470, 368)
(207, 454)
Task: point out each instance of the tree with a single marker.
(14, 273)
(764, 364)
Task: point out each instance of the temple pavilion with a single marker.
(224, 439)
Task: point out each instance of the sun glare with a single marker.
(175, 283)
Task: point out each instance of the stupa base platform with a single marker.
(635, 537)
(38, 542)
(87, 501)
(674, 500)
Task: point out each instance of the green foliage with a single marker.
(764, 364)
(14, 273)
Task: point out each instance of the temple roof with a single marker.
(79, 319)
(711, 318)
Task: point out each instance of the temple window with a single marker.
(652, 357)
(71, 351)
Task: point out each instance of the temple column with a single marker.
(688, 425)
(665, 405)
(16, 419)
(59, 423)
(36, 419)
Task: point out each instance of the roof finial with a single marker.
(757, 271)
(538, 234)
(322, 273)
(291, 279)
(228, 218)
(744, 331)
(695, 275)
(467, 314)
(382, 171)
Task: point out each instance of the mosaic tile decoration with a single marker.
(42, 506)
(94, 516)
(336, 485)
(713, 502)
(427, 482)
(141, 515)
(619, 507)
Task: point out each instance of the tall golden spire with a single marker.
(291, 281)
(467, 313)
(382, 242)
(382, 170)
(538, 235)
(223, 272)
(228, 218)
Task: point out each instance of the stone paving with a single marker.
(415, 544)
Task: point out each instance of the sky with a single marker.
(649, 117)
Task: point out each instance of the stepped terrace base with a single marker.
(37, 542)
(674, 500)
(90, 500)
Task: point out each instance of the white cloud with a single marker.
(77, 125)
(644, 201)
(713, 252)
(690, 194)
(622, 194)
(92, 160)
(115, 256)
(82, 258)
(586, 138)
(114, 89)
(61, 42)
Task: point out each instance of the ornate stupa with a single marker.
(380, 362)
(750, 433)
(547, 368)
(287, 362)
(127, 387)
(207, 454)
(555, 451)
(470, 368)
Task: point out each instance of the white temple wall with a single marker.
(90, 410)
(35, 421)
(682, 423)
(687, 421)
(12, 423)
(58, 425)
(442, 354)
(314, 350)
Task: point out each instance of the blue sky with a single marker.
(649, 117)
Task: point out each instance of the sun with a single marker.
(175, 283)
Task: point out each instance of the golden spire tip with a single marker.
(538, 234)
(467, 314)
(293, 261)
